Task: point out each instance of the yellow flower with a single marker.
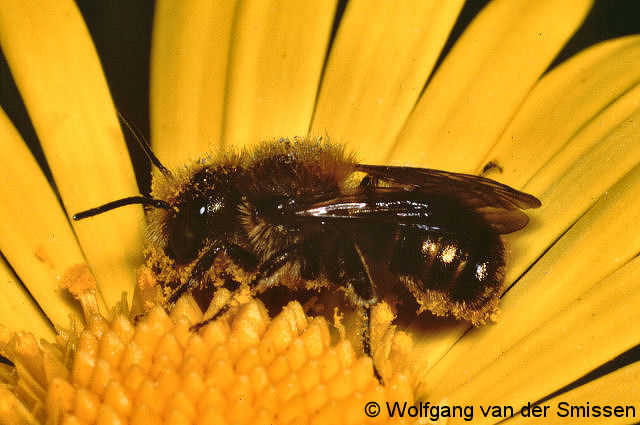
(236, 72)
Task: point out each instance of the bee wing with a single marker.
(475, 191)
(406, 207)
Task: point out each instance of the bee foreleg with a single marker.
(236, 253)
(265, 270)
(240, 256)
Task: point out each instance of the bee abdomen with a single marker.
(448, 275)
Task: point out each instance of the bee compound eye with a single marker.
(186, 236)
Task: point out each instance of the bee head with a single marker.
(202, 211)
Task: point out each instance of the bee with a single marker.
(299, 210)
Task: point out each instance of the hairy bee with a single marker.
(301, 210)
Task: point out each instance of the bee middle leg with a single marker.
(276, 261)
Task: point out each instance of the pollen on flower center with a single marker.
(245, 368)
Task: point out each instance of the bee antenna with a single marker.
(144, 200)
(144, 144)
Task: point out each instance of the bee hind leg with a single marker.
(368, 182)
(366, 340)
(355, 274)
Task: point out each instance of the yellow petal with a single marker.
(618, 388)
(570, 183)
(275, 66)
(605, 238)
(378, 65)
(58, 74)
(19, 312)
(568, 98)
(35, 236)
(189, 56)
(484, 80)
(589, 332)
